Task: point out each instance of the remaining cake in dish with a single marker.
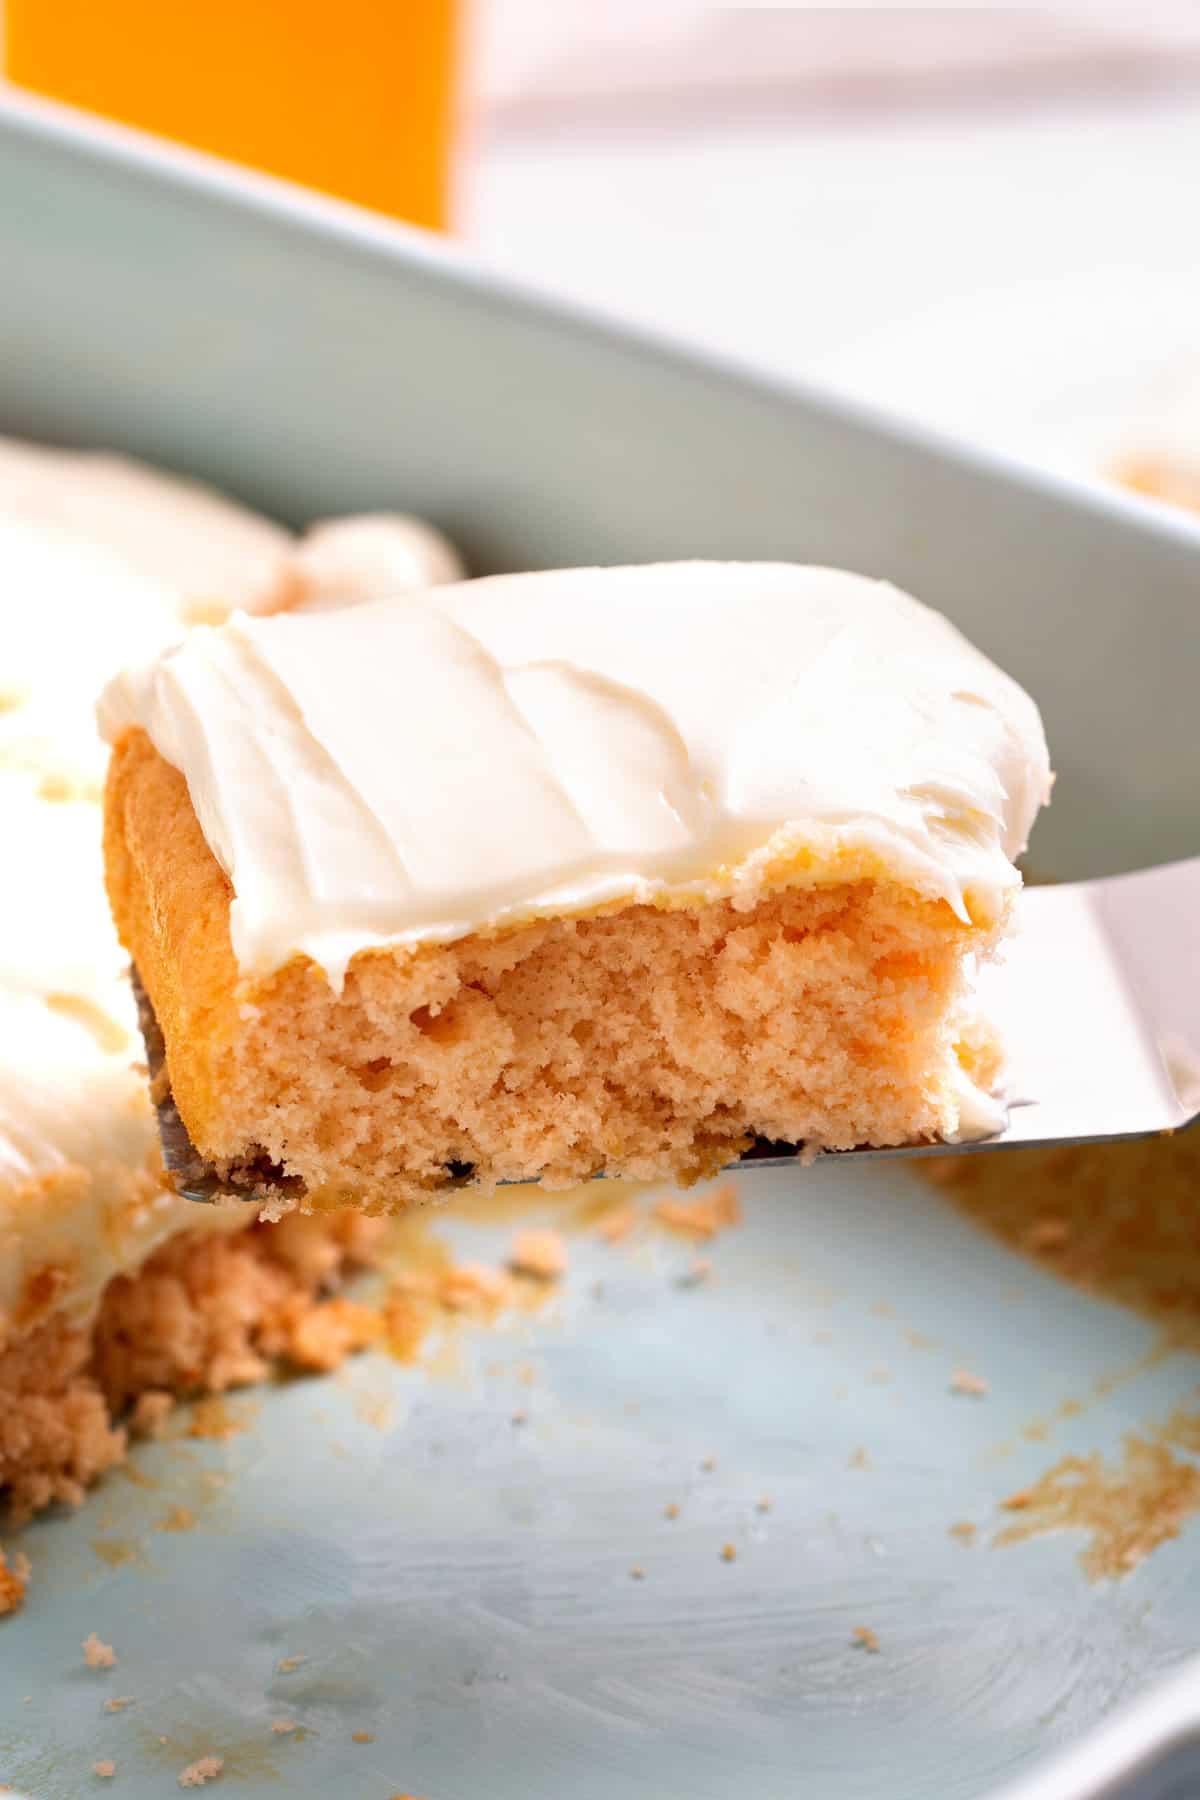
(111, 1287)
(537, 876)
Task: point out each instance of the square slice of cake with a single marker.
(540, 876)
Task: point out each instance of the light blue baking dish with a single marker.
(460, 1585)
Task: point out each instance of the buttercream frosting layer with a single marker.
(487, 752)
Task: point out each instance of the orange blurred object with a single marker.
(354, 97)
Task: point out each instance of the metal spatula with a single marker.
(1097, 1001)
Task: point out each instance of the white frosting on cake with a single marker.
(182, 537)
(102, 560)
(533, 745)
(342, 562)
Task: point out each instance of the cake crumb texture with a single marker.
(105, 1768)
(202, 1315)
(965, 1381)
(97, 1654)
(204, 1769)
(645, 1041)
(539, 1253)
(704, 1215)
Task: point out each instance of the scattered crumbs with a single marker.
(118, 1703)
(708, 1464)
(964, 1382)
(728, 1552)
(378, 1410)
(472, 1287)
(964, 1531)
(880, 1377)
(865, 1639)
(699, 1272)
(883, 1309)
(616, 1226)
(106, 1768)
(1049, 1233)
(117, 1550)
(180, 1518)
(328, 1331)
(362, 1737)
(130, 1472)
(97, 1654)
(764, 1504)
(214, 1419)
(917, 1340)
(637, 1572)
(520, 1417)
(1128, 1505)
(12, 1585)
(859, 1459)
(205, 1768)
(705, 1215)
(541, 1254)
(288, 1664)
(281, 1727)
(670, 1510)
(407, 1316)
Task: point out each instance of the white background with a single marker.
(987, 218)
